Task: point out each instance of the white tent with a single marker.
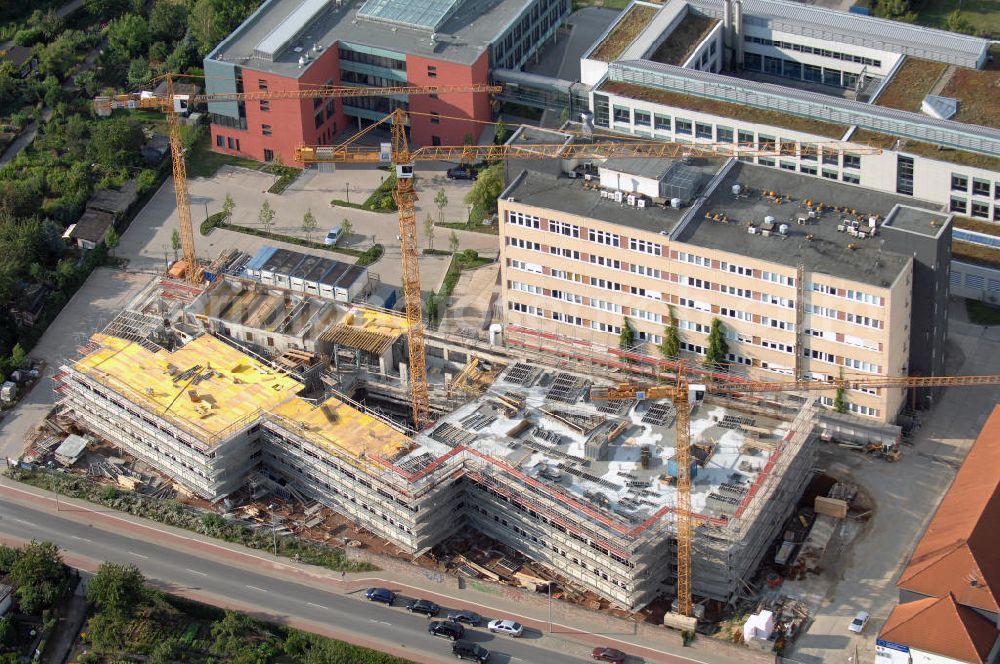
(758, 626)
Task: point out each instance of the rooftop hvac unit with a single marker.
(587, 177)
(783, 229)
(752, 230)
(675, 203)
(872, 222)
(641, 203)
(769, 219)
(631, 201)
(618, 197)
(737, 189)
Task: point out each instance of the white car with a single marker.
(860, 621)
(332, 236)
(506, 627)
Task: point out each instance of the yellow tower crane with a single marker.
(172, 105)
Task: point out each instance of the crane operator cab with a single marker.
(404, 171)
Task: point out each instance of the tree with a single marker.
(897, 10)
(111, 238)
(486, 189)
(346, 229)
(228, 206)
(956, 22)
(117, 588)
(429, 231)
(175, 241)
(129, 37)
(18, 357)
(441, 201)
(718, 348)
(840, 399)
(266, 216)
(671, 346)
(139, 74)
(206, 25)
(168, 20)
(38, 576)
(115, 143)
(309, 224)
(7, 631)
(627, 337)
(502, 133)
(453, 242)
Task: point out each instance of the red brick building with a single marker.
(297, 44)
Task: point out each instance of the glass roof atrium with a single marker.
(420, 14)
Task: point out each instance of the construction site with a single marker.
(529, 453)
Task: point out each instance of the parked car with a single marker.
(473, 651)
(506, 627)
(424, 606)
(860, 622)
(332, 236)
(381, 595)
(462, 173)
(467, 617)
(608, 655)
(446, 629)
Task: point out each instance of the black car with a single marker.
(424, 606)
(462, 173)
(380, 595)
(468, 650)
(467, 617)
(446, 629)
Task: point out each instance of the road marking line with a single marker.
(318, 606)
(254, 588)
(138, 555)
(22, 521)
(82, 539)
(194, 571)
(379, 622)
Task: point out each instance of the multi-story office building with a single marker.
(810, 277)
(298, 44)
(802, 79)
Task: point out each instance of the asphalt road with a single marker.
(277, 599)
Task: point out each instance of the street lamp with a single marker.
(550, 607)
(347, 190)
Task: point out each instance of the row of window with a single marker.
(603, 261)
(850, 294)
(805, 48)
(836, 314)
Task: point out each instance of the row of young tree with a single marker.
(905, 10)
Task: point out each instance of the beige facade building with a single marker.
(809, 278)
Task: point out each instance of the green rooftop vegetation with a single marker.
(911, 83)
(975, 253)
(977, 94)
(887, 142)
(634, 21)
(684, 39)
(978, 226)
(725, 109)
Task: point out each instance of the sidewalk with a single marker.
(66, 630)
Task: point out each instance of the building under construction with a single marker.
(519, 451)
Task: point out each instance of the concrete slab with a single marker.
(469, 303)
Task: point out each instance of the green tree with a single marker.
(309, 224)
(146, 180)
(671, 346)
(626, 339)
(111, 238)
(38, 576)
(129, 37)
(168, 20)
(60, 55)
(228, 206)
(8, 556)
(441, 201)
(956, 22)
(453, 242)
(175, 241)
(486, 189)
(18, 357)
(718, 347)
(897, 10)
(115, 143)
(429, 231)
(7, 631)
(106, 8)
(502, 133)
(840, 399)
(117, 588)
(266, 216)
(139, 74)
(346, 230)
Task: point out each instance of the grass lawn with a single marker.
(488, 229)
(607, 4)
(984, 15)
(203, 163)
(981, 313)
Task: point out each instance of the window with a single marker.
(957, 205)
(765, 161)
(606, 262)
(645, 247)
(265, 105)
(435, 140)
(787, 165)
(852, 178)
(703, 130)
(261, 84)
(766, 143)
(808, 152)
(622, 114)
(853, 161)
(432, 71)
(220, 141)
(682, 127)
(831, 158)
(746, 137)
(642, 118)
(643, 270)
(329, 109)
(521, 219)
(829, 174)
(229, 143)
(723, 134)
(904, 175)
(602, 237)
(807, 169)
(265, 129)
(662, 123)
(980, 187)
(981, 210)
(959, 182)
(601, 110)
(318, 119)
(268, 155)
(570, 230)
(435, 118)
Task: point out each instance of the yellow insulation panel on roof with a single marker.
(338, 427)
(228, 388)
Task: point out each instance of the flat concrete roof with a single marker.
(827, 251)
(569, 196)
(930, 223)
(462, 39)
